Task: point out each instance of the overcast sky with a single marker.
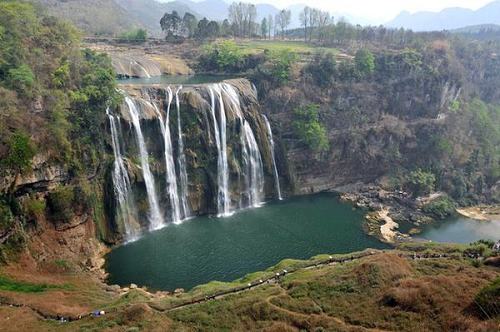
(377, 11)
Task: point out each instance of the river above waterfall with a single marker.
(207, 248)
(176, 79)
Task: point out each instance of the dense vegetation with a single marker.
(53, 97)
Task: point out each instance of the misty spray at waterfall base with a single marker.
(187, 151)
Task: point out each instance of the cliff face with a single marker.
(374, 128)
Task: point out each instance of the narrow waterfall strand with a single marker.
(275, 168)
(122, 187)
(155, 217)
(181, 159)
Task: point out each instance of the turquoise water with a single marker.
(176, 79)
(205, 249)
(461, 230)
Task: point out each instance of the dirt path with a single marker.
(321, 316)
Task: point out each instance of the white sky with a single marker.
(381, 11)
(373, 11)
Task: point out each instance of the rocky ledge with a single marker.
(387, 210)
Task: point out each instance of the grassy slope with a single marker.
(258, 46)
(380, 292)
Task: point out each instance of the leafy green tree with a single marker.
(20, 153)
(21, 79)
(213, 29)
(171, 23)
(202, 29)
(365, 62)
(308, 127)
(190, 23)
(281, 62)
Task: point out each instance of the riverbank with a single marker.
(481, 213)
(381, 282)
(386, 211)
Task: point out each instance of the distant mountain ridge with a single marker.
(448, 19)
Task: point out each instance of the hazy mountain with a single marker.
(149, 12)
(95, 17)
(448, 19)
(211, 9)
(478, 28)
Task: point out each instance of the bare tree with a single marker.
(283, 20)
(242, 16)
(270, 21)
(264, 28)
(304, 20)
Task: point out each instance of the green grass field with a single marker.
(258, 46)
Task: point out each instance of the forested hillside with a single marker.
(52, 101)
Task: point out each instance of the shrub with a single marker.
(136, 35)
(420, 182)
(322, 69)
(6, 217)
(281, 62)
(20, 153)
(364, 62)
(486, 301)
(61, 203)
(21, 79)
(34, 207)
(309, 129)
(224, 56)
(441, 207)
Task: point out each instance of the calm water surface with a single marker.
(205, 249)
(461, 230)
(176, 79)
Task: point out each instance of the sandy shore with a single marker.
(387, 229)
(481, 213)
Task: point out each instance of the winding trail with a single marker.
(275, 279)
(308, 317)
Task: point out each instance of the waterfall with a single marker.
(121, 183)
(223, 203)
(252, 161)
(230, 125)
(155, 218)
(181, 159)
(251, 157)
(275, 168)
(170, 166)
(171, 179)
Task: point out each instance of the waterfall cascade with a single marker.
(181, 159)
(223, 200)
(273, 156)
(171, 178)
(230, 131)
(155, 217)
(123, 191)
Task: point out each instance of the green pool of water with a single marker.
(176, 79)
(208, 248)
(461, 230)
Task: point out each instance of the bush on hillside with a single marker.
(322, 69)
(309, 128)
(420, 182)
(440, 208)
